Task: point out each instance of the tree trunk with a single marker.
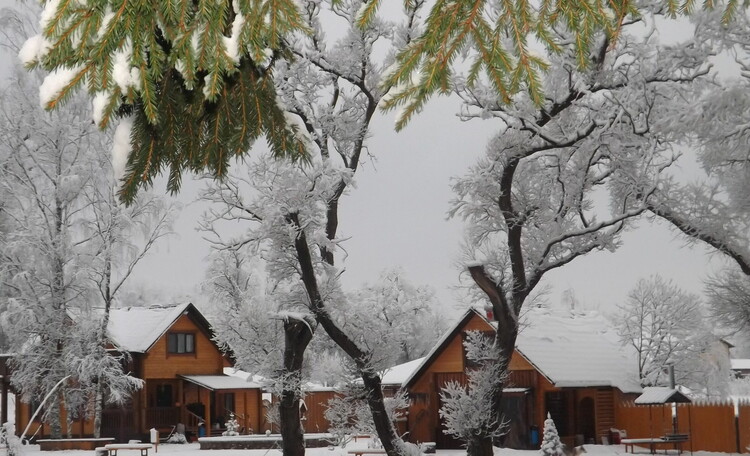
(107, 295)
(297, 334)
(479, 446)
(506, 314)
(98, 406)
(392, 444)
(54, 417)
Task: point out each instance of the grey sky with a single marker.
(396, 216)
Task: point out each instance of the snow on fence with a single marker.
(712, 425)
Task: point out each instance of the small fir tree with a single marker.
(551, 445)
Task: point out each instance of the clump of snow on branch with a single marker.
(123, 73)
(55, 82)
(34, 49)
(121, 146)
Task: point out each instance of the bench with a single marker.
(674, 439)
(361, 451)
(112, 448)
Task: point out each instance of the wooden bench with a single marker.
(361, 451)
(112, 448)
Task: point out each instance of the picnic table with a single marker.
(361, 451)
(113, 448)
(674, 439)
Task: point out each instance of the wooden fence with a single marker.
(712, 426)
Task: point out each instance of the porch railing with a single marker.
(162, 416)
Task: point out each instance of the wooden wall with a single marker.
(423, 412)
(248, 407)
(317, 404)
(712, 425)
(207, 359)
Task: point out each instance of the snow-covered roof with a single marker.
(136, 329)
(580, 349)
(570, 349)
(660, 395)
(247, 376)
(740, 364)
(220, 382)
(398, 374)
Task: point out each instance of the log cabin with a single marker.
(172, 349)
(573, 368)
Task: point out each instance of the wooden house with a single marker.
(572, 368)
(172, 350)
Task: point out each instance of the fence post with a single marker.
(737, 425)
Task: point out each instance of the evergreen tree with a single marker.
(551, 445)
(191, 80)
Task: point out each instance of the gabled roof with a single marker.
(740, 363)
(661, 395)
(136, 329)
(570, 351)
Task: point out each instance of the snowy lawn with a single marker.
(193, 449)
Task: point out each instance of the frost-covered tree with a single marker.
(712, 206)
(45, 178)
(667, 326)
(551, 444)
(68, 237)
(119, 238)
(398, 321)
(537, 200)
(266, 330)
(728, 295)
(467, 409)
(350, 414)
(332, 89)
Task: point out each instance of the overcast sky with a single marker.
(396, 216)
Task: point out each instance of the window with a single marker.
(164, 397)
(228, 403)
(181, 343)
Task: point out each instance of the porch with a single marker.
(202, 403)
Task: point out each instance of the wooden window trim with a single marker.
(193, 353)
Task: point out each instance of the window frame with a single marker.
(176, 345)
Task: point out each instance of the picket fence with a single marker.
(721, 426)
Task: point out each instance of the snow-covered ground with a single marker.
(193, 449)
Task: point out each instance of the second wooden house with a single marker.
(572, 367)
